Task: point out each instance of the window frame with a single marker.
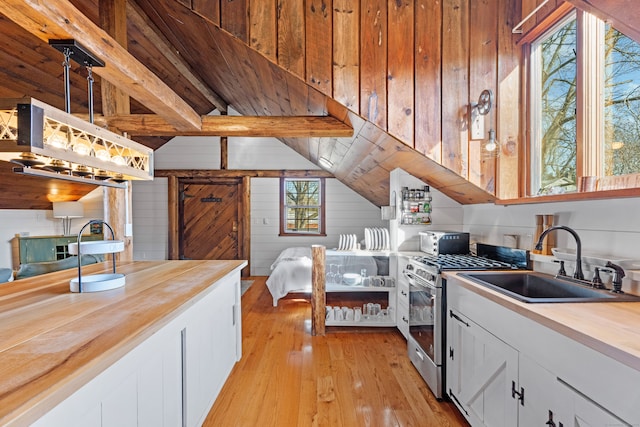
(590, 133)
(283, 207)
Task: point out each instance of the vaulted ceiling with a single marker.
(185, 58)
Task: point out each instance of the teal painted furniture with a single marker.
(47, 248)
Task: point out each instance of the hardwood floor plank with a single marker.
(289, 378)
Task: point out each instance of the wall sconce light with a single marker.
(49, 142)
(67, 211)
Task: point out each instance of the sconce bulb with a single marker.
(491, 146)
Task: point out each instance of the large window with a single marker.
(584, 107)
(302, 206)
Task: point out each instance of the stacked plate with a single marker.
(376, 239)
(348, 242)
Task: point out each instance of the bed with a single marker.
(291, 271)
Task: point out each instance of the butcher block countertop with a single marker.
(611, 328)
(52, 341)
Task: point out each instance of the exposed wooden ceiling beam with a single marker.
(59, 19)
(138, 18)
(281, 126)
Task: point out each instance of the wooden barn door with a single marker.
(209, 219)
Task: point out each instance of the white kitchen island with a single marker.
(155, 352)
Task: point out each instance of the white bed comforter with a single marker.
(290, 272)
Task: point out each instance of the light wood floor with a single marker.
(288, 378)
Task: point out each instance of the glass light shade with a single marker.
(491, 147)
(119, 160)
(103, 155)
(82, 148)
(58, 139)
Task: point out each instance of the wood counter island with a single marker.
(155, 352)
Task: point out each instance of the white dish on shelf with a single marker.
(98, 282)
(595, 259)
(351, 279)
(385, 239)
(367, 239)
(97, 247)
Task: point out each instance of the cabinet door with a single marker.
(584, 412)
(211, 348)
(143, 388)
(544, 402)
(37, 250)
(480, 372)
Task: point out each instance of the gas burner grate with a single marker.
(463, 262)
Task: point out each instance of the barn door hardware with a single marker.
(515, 393)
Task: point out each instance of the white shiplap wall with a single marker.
(150, 219)
(609, 228)
(604, 226)
(347, 212)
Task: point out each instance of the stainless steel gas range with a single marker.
(427, 300)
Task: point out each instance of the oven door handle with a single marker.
(408, 274)
(417, 281)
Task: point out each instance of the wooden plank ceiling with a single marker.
(405, 92)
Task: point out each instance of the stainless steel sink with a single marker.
(533, 287)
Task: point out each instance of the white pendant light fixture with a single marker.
(46, 141)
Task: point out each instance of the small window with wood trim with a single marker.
(302, 206)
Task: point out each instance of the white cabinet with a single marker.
(480, 373)
(504, 369)
(170, 379)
